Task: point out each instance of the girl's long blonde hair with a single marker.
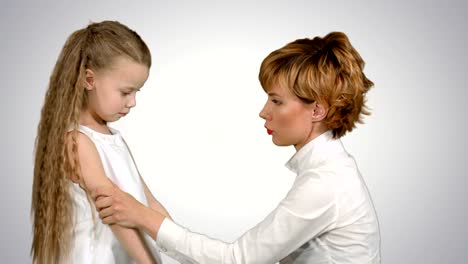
(93, 47)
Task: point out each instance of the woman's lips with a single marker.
(269, 131)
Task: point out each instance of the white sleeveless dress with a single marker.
(93, 241)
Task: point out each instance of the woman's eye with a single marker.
(125, 93)
(276, 102)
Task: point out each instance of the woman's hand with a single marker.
(117, 207)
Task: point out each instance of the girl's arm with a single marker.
(93, 176)
(153, 203)
(118, 207)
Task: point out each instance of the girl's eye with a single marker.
(125, 93)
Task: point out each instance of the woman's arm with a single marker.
(298, 218)
(93, 176)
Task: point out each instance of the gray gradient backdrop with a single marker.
(196, 134)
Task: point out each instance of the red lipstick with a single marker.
(269, 131)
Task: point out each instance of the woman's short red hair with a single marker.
(327, 70)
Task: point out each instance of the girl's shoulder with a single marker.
(99, 137)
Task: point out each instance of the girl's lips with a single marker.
(269, 131)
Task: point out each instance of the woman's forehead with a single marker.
(279, 89)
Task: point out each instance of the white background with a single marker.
(196, 134)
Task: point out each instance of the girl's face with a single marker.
(111, 92)
(288, 119)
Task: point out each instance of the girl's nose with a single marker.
(131, 102)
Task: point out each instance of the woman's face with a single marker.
(287, 119)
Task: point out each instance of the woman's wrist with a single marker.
(150, 221)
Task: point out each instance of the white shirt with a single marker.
(326, 217)
(93, 241)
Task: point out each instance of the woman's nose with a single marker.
(263, 113)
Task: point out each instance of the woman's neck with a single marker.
(316, 131)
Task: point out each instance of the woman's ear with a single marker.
(319, 112)
(89, 79)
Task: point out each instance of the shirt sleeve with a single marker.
(308, 210)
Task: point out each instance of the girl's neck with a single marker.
(94, 122)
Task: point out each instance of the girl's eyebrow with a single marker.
(132, 88)
(273, 94)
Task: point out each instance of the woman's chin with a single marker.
(280, 143)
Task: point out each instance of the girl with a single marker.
(316, 92)
(95, 79)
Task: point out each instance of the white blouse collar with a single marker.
(310, 152)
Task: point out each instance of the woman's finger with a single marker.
(103, 203)
(106, 212)
(102, 191)
(109, 220)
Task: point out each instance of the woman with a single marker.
(316, 93)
